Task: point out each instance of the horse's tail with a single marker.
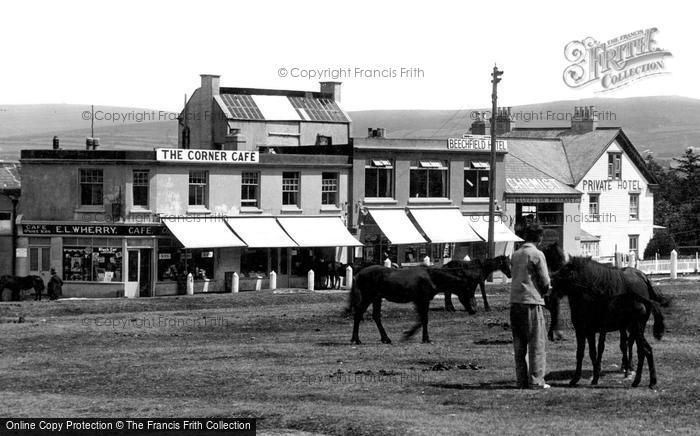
(659, 327)
(353, 299)
(655, 295)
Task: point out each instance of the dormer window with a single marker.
(615, 166)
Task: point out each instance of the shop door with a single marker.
(280, 263)
(138, 280)
(40, 262)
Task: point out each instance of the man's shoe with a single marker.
(544, 386)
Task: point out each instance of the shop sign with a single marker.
(609, 185)
(92, 229)
(207, 156)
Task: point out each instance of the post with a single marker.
(618, 259)
(190, 284)
(310, 277)
(235, 283)
(674, 264)
(697, 262)
(426, 261)
(656, 262)
(631, 261)
(348, 277)
(258, 283)
(13, 223)
(387, 262)
(495, 78)
(273, 280)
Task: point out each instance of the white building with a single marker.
(616, 208)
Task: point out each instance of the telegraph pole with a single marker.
(495, 78)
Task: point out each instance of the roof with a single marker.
(524, 178)
(568, 155)
(9, 176)
(584, 236)
(278, 105)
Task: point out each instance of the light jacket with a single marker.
(530, 276)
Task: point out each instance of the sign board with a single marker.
(20, 252)
(609, 185)
(476, 143)
(93, 229)
(533, 185)
(207, 156)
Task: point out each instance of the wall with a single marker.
(615, 224)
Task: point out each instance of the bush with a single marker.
(661, 243)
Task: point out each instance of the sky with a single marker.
(149, 54)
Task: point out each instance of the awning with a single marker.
(396, 226)
(204, 232)
(318, 232)
(260, 232)
(444, 225)
(501, 232)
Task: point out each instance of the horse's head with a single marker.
(564, 280)
(556, 258)
(503, 264)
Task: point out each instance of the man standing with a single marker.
(529, 285)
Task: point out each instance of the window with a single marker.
(476, 179)
(594, 207)
(250, 182)
(379, 180)
(39, 259)
(290, 188)
(91, 187)
(324, 140)
(329, 188)
(198, 188)
(140, 188)
(428, 179)
(634, 206)
(634, 243)
(101, 263)
(615, 166)
(175, 263)
(590, 248)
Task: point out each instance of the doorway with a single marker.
(138, 279)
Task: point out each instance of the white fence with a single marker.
(663, 266)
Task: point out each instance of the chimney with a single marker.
(332, 88)
(210, 84)
(585, 119)
(503, 120)
(379, 132)
(478, 127)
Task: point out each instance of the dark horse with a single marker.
(18, 284)
(335, 272)
(411, 285)
(478, 272)
(604, 299)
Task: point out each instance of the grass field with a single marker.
(286, 359)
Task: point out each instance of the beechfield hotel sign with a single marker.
(475, 143)
(206, 156)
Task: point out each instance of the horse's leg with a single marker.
(449, 307)
(599, 359)
(359, 312)
(592, 354)
(37, 295)
(630, 345)
(422, 310)
(650, 360)
(639, 335)
(482, 285)
(580, 349)
(377, 317)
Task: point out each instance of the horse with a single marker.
(416, 285)
(18, 284)
(602, 299)
(478, 271)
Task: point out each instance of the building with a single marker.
(135, 222)
(251, 119)
(9, 208)
(588, 185)
(425, 197)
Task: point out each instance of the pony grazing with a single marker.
(604, 299)
(478, 271)
(18, 284)
(412, 285)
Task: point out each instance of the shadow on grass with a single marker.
(486, 386)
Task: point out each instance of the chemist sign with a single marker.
(207, 156)
(475, 143)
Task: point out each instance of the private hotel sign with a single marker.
(475, 143)
(206, 156)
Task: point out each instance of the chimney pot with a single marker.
(332, 88)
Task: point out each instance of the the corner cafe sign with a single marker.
(475, 143)
(207, 156)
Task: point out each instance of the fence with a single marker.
(663, 266)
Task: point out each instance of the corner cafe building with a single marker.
(134, 223)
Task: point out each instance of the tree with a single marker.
(662, 243)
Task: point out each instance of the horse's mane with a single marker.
(594, 277)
